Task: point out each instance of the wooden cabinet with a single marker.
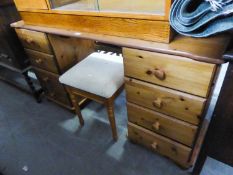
(14, 63)
(52, 55)
(31, 4)
(11, 50)
(167, 96)
(142, 19)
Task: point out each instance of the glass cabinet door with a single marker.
(133, 6)
(85, 5)
(121, 6)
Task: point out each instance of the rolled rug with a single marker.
(201, 18)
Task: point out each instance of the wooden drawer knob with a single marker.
(156, 125)
(158, 73)
(158, 103)
(154, 145)
(39, 61)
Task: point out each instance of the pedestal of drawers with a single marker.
(52, 55)
(166, 99)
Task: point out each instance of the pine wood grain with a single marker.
(69, 51)
(174, 103)
(53, 88)
(180, 46)
(175, 151)
(34, 40)
(133, 28)
(42, 61)
(167, 126)
(31, 4)
(179, 73)
(89, 8)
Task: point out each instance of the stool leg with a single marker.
(77, 108)
(111, 117)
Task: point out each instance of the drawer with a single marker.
(170, 71)
(175, 151)
(52, 86)
(175, 129)
(42, 60)
(180, 105)
(34, 40)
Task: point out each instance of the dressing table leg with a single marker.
(77, 108)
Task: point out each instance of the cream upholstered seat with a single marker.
(99, 77)
(99, 73)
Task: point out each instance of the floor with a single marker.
(45, 139)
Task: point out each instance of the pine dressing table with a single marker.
(168, 85)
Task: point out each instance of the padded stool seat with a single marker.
(99, 73)
(99, 77)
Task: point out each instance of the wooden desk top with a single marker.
(208, 50)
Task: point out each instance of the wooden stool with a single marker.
(99, 77)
